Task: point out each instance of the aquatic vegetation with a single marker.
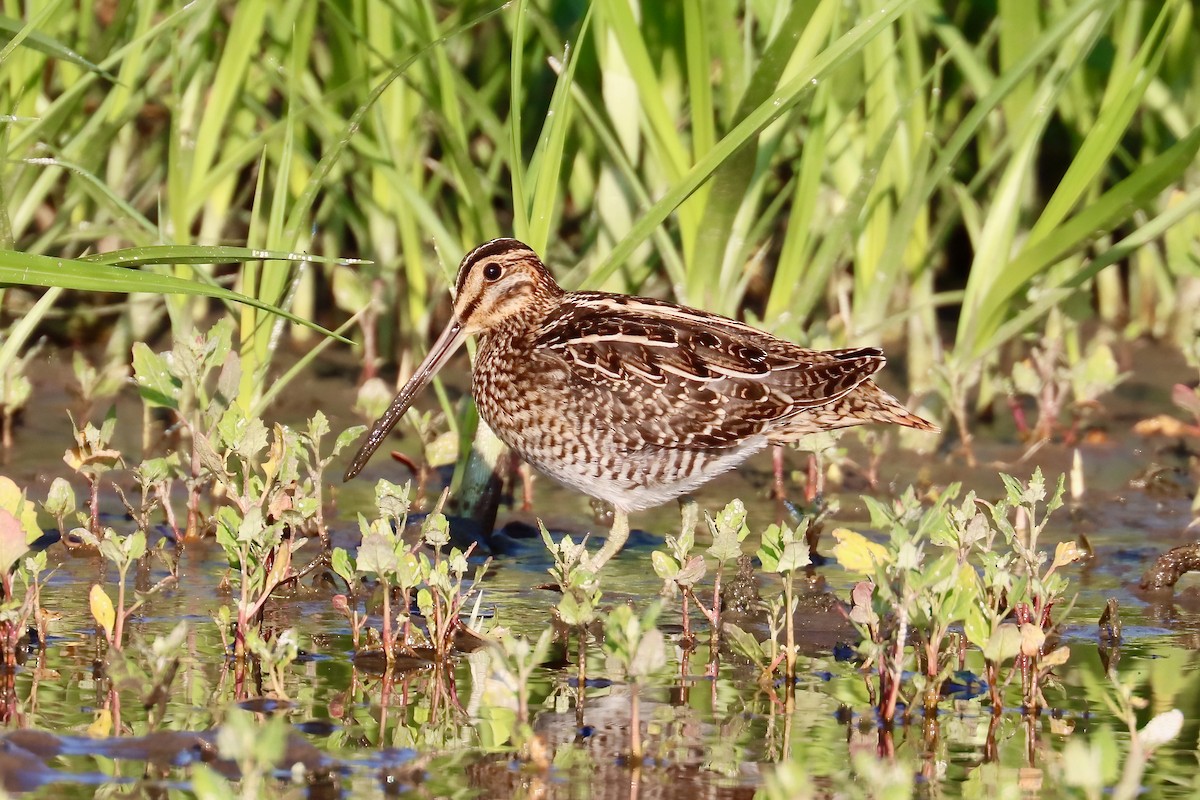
(947, 567)
(436, 586)
(92, 457)
(513, 660)
(635, 650)
(579, 584)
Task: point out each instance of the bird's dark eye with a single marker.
(491, 270)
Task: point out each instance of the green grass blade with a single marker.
(546, 167)
(17, 30)
(208, 254)
(520, 202)
(27, 269)
(1108, 211)
(1123, 97)
(779, 103)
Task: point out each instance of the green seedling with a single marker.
(634, 650)
(1060, 380)
(123, 552)
(784, 552)
(261, 558)
(580, 592)
(315, 465)
(443, 598)
(60, 503)
(513, 662)
(92, 457)
(679, 569)
(917, 590)
(150, 670)
(437, 584)
(272, 505)
(1023, 584)
(274, 656)
(182, 382)
(384, 555)
(728, 531)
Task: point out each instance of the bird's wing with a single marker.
(676, 377)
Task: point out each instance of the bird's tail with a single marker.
(869, 403)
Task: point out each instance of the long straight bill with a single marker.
(450, 340)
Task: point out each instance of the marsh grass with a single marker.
(808, 166)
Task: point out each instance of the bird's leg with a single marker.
(616, 540)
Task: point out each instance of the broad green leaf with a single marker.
(742, 642)
(376, 556)
(664, 566)
(1003, 645)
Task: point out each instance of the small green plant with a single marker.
(437, 584)
(679, 569)
(513, 662)
(1093, 766)
(580, 592)
(150, 670)
(947, 566)
(274, 656)
(92, 457)
(182, 382)
(728, 530)
(384, 556)
(123, 552)
(1017, 580)
(784, 552)
(1061, 381)
(634, 650)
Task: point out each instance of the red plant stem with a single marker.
(714, 641)
(388, 653)
(94, 506)
(119, 625)
(635, 724)
(896, 669)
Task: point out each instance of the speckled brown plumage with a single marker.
(631, 400)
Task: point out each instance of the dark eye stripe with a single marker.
(487, 250)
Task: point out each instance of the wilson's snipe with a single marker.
(630, 400)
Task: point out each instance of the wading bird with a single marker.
(631, 400)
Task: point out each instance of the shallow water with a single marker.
(428, 734)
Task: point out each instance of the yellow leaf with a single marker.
(101, 727)
(1068, 553)
(102, 610)
(13, 500)
(857, 553)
